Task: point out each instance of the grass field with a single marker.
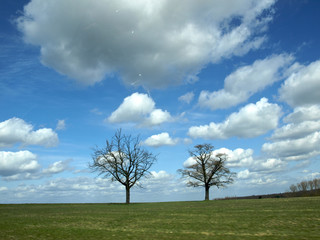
(291, 218)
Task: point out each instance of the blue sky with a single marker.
(241, 75)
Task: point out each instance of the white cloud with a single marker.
(301, 114)
(160, 140)
(252, 178)
(254, 170)
(243, 174)
(245, 81)
(67, 188)
(139, 108)
(295, 149)
(16, 130)
(61, 125)
(263, 181)
(272, 163)
(238, 157)
(251, 121)
(294, 131)
(160, 175)
(235, 158)
(12, 163)
(133, 108)
(187, 98)
(157, 117)
(268, 165)
(262, 171)
(189, 162)
(153, 43)
(24, 165)
(243, 158)
(300, 138)
(2, 189)
(158, 185)
(56, 167)
(302, 87)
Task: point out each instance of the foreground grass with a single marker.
(293, 218)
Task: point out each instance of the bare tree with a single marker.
(303, 186)
(293, 188)
(316, 183)
(207, 170)
(299, 186)
(311, 185)
(123, 160)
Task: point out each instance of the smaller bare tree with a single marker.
(207, 169)
(123, 160)
(303, 185)
(311, 185)
(316, 183)
(293, 188)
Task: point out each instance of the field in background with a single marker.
(289, 218)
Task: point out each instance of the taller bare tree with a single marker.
(207, 169)
(124, 160)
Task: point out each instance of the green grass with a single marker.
(291, 218)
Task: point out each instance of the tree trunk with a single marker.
(127, 194)
(207, 193)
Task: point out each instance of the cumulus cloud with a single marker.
(24, 165)
(149, 43)
(235, 158)
(252, 167)
(301, 114)
(268, 165)
(272, 163)
(160, 175)
(302, 87)
(251, 121)
(294, 131)
(299, 139)
(56, 167)
(245, 81)
(294, 149)
(139, 108)
(161, 139)
(187, 98)
(157, 117)
(12, 163)
(243, 174)
(16, 130)
(262, 171)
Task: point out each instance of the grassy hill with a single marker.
(284, 218)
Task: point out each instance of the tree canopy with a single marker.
(124, 160)
(207, 169)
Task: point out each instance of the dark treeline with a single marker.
(304, 186)
(309, 188)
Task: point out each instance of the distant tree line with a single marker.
(310, 188)
(304, 186)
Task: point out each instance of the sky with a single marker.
(243, 76)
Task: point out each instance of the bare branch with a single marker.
(208, 169)
(123, 159)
